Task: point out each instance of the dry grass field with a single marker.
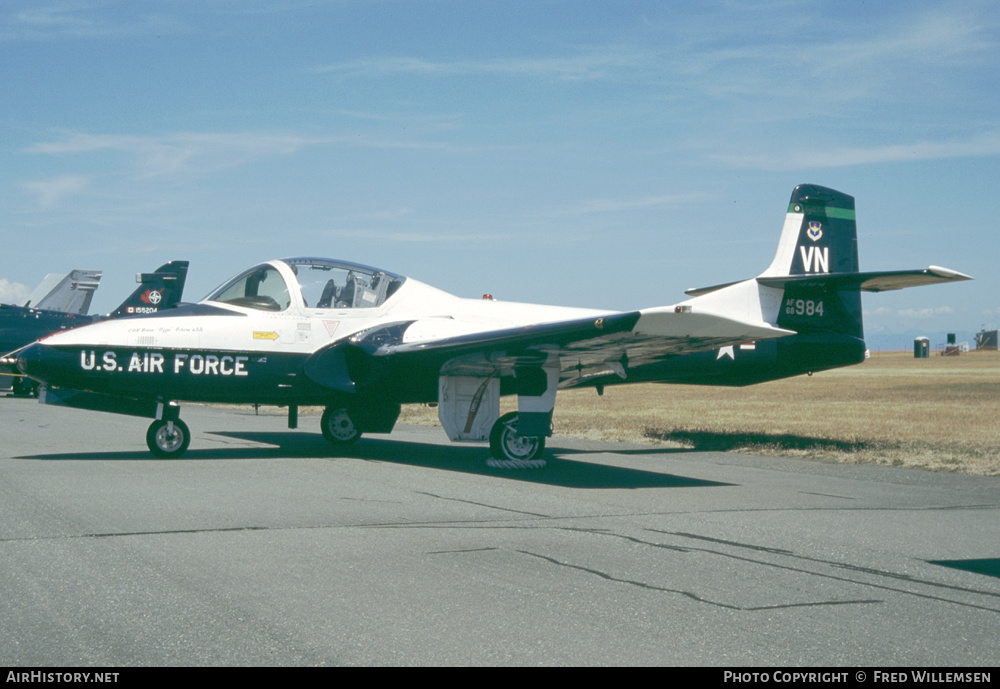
(939, 413)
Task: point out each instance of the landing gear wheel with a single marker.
(513, 451)
(339, 428)
(166, 443)
(24, 387)
(20, 387)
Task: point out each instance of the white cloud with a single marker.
(986, 145)
(53, 190)
(13, 292)
(78, 19)
(911, 313)
(186, 153)
(596, 65)
(415, 237)
(624, 204)
(938, 35)
(183, 151)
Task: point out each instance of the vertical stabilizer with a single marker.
(819, 236)
(72, 293)
(156, 291)
(819, 239)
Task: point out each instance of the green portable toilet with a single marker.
(922, 348)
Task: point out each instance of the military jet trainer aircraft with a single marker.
(21, 325)
(361, 341)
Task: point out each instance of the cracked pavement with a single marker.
(262, 547)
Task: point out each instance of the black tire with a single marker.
(24, 387)
(166, 444)
(339, 427)
(507, 445)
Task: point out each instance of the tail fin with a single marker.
(817, 265)
(812, 287)
(819, 240)
(71, 293)
(820, 234)
(156, 291)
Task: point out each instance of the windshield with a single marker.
(327, 284)
(261, 287)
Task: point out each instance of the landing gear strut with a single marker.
(511, 450)
(168, 439)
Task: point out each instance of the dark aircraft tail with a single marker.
(817, 249)
(816, 269)
(812, 287)
(817, 266)
(156, 292)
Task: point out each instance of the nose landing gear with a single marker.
(168, 439)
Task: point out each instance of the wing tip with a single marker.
(948, 274)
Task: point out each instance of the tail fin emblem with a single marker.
(815, 231)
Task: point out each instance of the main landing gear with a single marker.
(338, 426)
(168, 439)
(344, 420)
(511, 450)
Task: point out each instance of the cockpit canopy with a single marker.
(311, 283)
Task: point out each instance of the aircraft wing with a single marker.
(585, 347)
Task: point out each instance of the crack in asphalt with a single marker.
(689, 594)
(845, 579)
(482, 504)
(466, 524)
(831, 563)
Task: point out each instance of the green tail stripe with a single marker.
(828, 211)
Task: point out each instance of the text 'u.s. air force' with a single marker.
(159, 363)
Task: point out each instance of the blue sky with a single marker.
(603, 154)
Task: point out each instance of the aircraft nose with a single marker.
(34, 360)
(27, 357)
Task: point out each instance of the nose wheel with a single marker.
(168, 439)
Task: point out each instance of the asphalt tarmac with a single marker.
(262, 547)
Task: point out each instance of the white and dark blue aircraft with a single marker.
(362, 341)
(22, 325)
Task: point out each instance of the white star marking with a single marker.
(726, 351)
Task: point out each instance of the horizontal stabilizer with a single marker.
(882, 281)
(699, 291)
